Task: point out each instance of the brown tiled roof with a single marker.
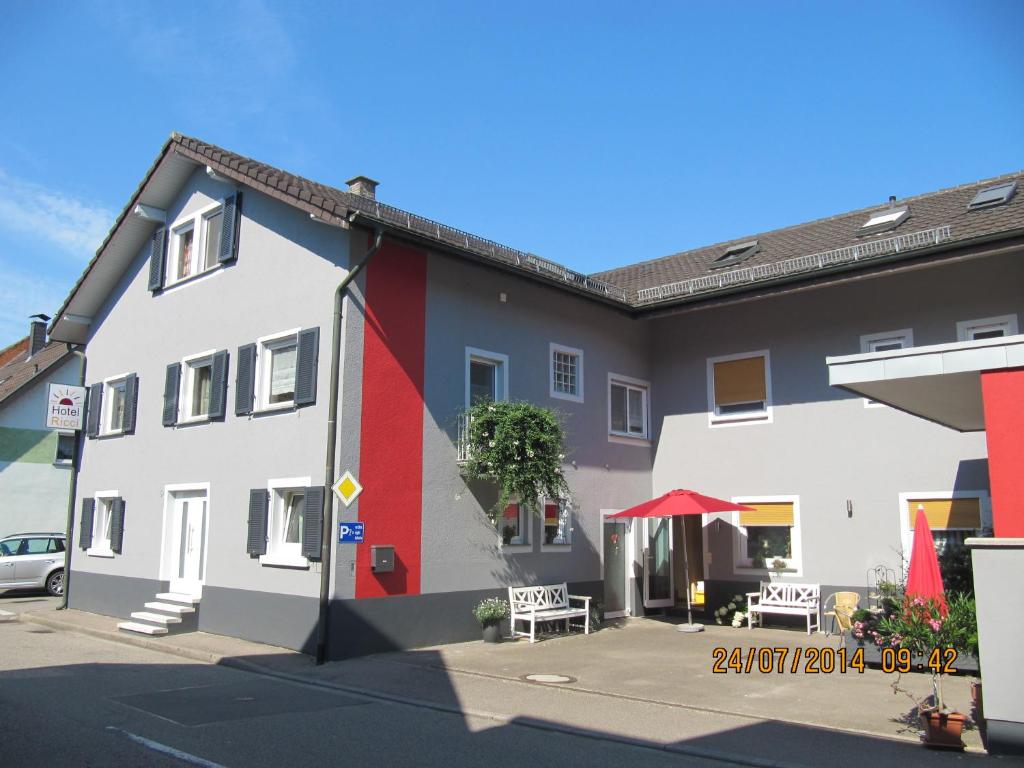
(947, 207)
(18, 370)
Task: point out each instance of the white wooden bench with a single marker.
(548, 603)
(790, 599)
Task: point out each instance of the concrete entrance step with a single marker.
(142, 629)
(178, 597)
(156, 618)
(173, 608)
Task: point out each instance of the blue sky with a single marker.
(595, 134)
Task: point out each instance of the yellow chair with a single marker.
(843, 606)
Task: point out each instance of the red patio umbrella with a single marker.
(923, 578)
(675, 504)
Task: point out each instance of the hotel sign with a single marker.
(65, 407)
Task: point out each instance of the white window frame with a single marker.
(869, 341)
(101, 521)
(553, 348)
(907, 533)
(59, 462)
(264, 346)
(278, 553)
(196, 221)
(763, 416)
(965, 329)
(523, 542)
(496, 359)
(565, 508)
(107, 404)
(741, 564)
(625, 438)
(188, 368)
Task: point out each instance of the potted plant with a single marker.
(490, 613)
(931, 633)
(519, 446)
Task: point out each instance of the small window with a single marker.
(987, 328)
(734, 254)
(627, 407)
(113, 405)
(993, 196)
(101, 521)
(195, 242)
(55, 545)
(515, 525)
(65, 453)
(952, 518)
(557, 523)
(739, 388)
(286, 523)
(768, 536)
(196, 388)
(566, 373)
(277, 364)
(486, 377)
(884, 220)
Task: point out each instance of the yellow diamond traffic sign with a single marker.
(347, 488)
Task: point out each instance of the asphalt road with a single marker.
(74, 700)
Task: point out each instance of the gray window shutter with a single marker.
(171, 394)
(157, 259)
(230, 226)
(219, 384)
(258, 502)
(245, 379)
(85, 523)
(131, 401)
(116, 524)
(95, 406)
(313, 522)
(305, 366)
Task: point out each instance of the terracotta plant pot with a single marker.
(492, 632)
(942, 729)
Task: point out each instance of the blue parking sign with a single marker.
(350, 533)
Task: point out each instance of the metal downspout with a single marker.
(327, 535)
(76, 463)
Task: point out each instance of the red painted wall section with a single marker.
(1003, 396)
(391, 441)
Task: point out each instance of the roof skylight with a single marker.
(884, 220)
(987, 198)
(736, 253)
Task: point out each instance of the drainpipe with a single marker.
(327, 534)
(76, 463)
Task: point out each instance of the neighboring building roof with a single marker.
(18, 371)
(943, 215)
(938, 219)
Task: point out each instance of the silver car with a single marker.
(33, 561)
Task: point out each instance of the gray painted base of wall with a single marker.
(111, 595)
(1004, 737)
(377, 625)
(287, 621)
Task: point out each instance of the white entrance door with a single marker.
(659, 587)
(189, 542)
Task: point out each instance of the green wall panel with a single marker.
(35, 446)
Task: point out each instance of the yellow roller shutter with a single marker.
(775, 513)
(740, 381)
(947, 513)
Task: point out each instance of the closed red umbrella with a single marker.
(924, 579)
(675, 504)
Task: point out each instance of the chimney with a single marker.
(892, 201)
(37, 334)
(363, 185)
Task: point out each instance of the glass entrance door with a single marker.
(659, 590)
